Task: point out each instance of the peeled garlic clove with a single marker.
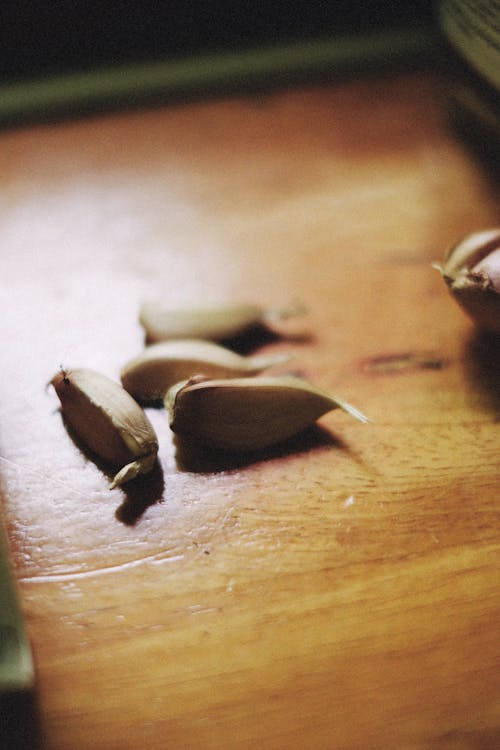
(248, 414)
(162, 323)
(149, 376)
(471, 270)
(108, 421)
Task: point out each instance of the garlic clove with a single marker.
(488, 269)
(108, 421)
(471, 270)
(216, 323)
(148, 376)
(248, 414)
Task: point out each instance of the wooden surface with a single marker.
(341, 593)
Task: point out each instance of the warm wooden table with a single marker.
(342, 594)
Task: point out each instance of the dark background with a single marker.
(53, 36)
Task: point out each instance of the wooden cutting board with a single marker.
(339, 592)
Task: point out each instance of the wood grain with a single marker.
(340, 591)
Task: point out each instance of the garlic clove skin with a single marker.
(248, 414)
(471, 270)
(148, 376)
(489, 269)
(216, 323)
(108, 421)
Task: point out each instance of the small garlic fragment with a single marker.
(217, 323)
(471, 270)
(108, 421)
(248, 414)
(148, 376)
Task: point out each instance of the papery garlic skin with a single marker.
(148, 376)
(471, 270)
(248, 414)
(108, 421)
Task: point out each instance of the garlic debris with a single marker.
(471, 270)
(161, 323)
(108, 421)
(245, 414)
(148, 376)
